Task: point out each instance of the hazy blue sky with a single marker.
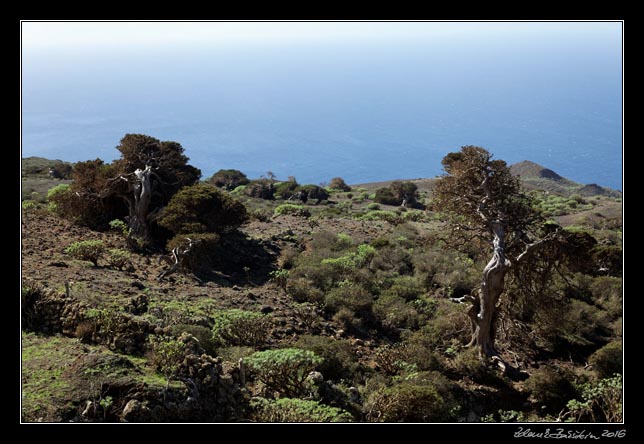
(48, 35)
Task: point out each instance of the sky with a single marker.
(283, 91)
(47, 35)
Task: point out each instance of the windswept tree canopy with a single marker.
(484, 205)
(137, 186)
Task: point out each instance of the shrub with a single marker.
(118, 258)
(228, 179)
(295, 210)
(87, 251)
(311, 192)
(352, 260)
(204, 246)
(202, 208)
(386, 197)
(280, 278)
(551, 387)
(352, 297)
(119, 226)
(59, 198)
(303, 290)
(260, 215)
(390, 359)
(422, 399)
(467, 363)
(240, 327)
(602, 401)
(387, 216)
(199, 332)
(393, 312)
(284, 370)
(296, 410)
(307, 315)
(167, 355)
(338, 183)
(405, 287)
(28, 205)
(607, 361)
(261, 189)
(338, 360)
(449, 326)
(373, 207)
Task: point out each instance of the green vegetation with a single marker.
(297, 410)
(240, 327)
(284, 370)
(91, 251)
(355, 312)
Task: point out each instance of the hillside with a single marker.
(364, 287)
(535, 176)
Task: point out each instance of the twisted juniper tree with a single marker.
(150, 172)
(483, 202)
(137, 186)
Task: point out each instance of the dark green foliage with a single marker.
(61, 171)
(398, 193)
(338, 183)
(240, 327)
(167, 355)
(405, 192)
(608, 259)
(285, 190)
(202, 248)
(307, 193)
(385, 196)
(467, 363)
(448, 328)
(284, 370)
(551, 387)
(601, 401)
(608, 360)
(394, 312)
(261, 189)
(199, 332)
(168, 159)
(202, 208)
(85, 201)
(339, 361)
(118, 258)
(228, 179)
(90, 251)
(296, 410)
(352, 297)
(425, 398)
(303, 290)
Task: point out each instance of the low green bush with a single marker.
(284, 370)
(425, 398)
(551, 388)
(339, 361)
(91, 250)
(118, 258)
(608, 360)
(240, 327)
(296, 410)
(295, 210)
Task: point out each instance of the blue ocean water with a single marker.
(362, 111)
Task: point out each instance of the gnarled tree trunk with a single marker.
(140, 209)
(483, 312)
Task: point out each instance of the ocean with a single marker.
(362, 110)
